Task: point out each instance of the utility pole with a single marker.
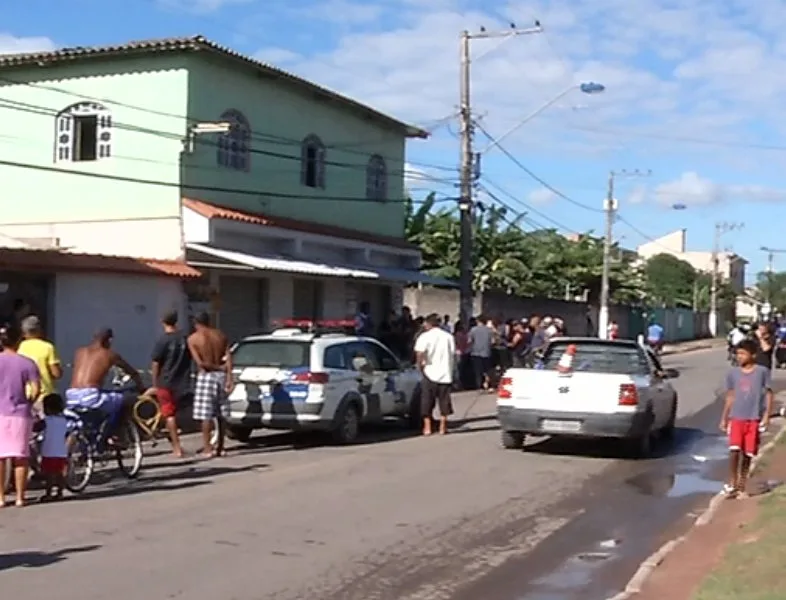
(720, 228)
(468, 172)
(610, 210)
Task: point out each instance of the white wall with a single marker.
(131, 305)
(146, 238)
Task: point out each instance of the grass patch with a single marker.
(754, 566)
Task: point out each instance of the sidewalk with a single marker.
(691, 345)
(739, 554)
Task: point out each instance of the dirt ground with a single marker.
(740, 554)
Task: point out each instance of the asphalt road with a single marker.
(395, 517)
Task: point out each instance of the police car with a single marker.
(309, 375)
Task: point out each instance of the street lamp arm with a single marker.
(587, 88)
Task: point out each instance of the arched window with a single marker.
(312, 162)
(234, 147)
(83, 132)
(376, 178)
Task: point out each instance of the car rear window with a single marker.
(597, 357)
(272, 353)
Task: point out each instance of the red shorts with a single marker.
(166, 400)
(744, 436)
(53, 466)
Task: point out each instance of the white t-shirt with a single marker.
(736, 336)
(481, 338)
(54, 444)
(439, 350)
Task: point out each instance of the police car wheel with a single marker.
(240, 434)
(347, 425)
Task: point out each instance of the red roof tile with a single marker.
(213, 211)
(23, 259)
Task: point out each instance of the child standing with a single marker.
(54, 448)
(748, 407)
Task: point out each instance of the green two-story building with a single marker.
(287, 196)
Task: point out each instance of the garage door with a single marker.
(243, 305)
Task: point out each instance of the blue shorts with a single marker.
(109, 402)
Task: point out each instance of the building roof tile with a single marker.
(23, 259)
(213, 211)
(199, 43)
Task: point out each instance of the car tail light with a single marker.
(504, 391)
(311, 377)
(629, 395)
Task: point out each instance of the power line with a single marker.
(188, 121)
(543, 215)
(673, 138)
(537, 178)
(182, 186)
(45, 111)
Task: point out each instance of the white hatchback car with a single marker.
(293, 380)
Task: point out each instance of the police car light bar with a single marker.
(316, 325)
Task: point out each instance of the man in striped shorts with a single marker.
(210, 352)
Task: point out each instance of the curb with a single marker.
(646, 568)
(707, 346)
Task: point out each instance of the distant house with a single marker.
(286, 196)
(731, 266)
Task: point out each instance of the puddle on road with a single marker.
(575, 573)
(674, 485)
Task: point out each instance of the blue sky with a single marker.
(693, 93)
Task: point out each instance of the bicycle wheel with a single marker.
(129, 452)
(80, 463)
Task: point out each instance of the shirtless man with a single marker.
(91, 365)
(210, 352)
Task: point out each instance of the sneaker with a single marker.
(729, 491)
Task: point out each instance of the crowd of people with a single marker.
(29, 401)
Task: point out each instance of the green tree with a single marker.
(772, 289)
(669, 281)
(539, 263)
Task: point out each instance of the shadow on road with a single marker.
(605, 449)
(164, 481)
(32, 558)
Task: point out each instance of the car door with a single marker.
(393, 398)
(365, 366)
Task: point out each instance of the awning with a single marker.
(411, 276)
(284, 265)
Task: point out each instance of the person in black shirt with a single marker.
(765, 346)
(172, 375)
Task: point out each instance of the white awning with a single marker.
(284, 265)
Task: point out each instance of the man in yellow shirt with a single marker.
(42, 353)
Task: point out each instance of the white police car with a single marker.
(297, 380)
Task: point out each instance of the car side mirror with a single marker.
(671, 373)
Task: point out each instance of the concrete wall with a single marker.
(680, 324)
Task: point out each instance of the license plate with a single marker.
(560, 426)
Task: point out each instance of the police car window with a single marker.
(360, 357)
(335, 357)
(272, 353)
(384, 359)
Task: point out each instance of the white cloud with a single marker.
(715, 72)
(10, 44)
(541, 196)
(637, 195)
(691, 189)
(199, 7)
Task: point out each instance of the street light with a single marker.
(589, 87)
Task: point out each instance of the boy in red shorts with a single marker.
(748, 407)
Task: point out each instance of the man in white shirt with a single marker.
(435, 350)
(481, 340)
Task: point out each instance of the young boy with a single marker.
(54, 448)
(748, 407)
